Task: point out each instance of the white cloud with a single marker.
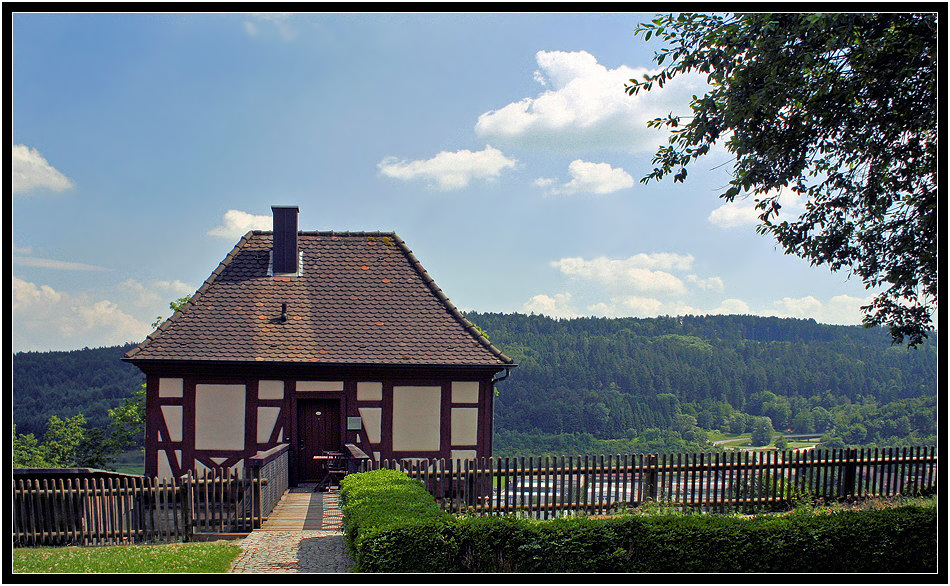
(450, 170)
(144, 295)
(30, 171)
(237, 223)
(637, 306)
(557, 306)
(177, 287)
(840, 310)
(159, 293)
(800, 307)
(46, 319)
(710, 284)
(642, 272)
(642, 285)
(734, 213)
(732, 307)
(60, 265)
(628, 306)
(742, 212)
(588, 177)
(105, 314)
(846, 309)
(585, 106)
(26, 294)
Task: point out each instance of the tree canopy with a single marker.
(837, 109)
(68, 442)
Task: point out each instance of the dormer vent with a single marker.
(285, 240)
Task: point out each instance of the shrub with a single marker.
(392, 524)
(497, 544)
(887, 540)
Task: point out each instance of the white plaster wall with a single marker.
(219, 417)
(416, 418)
(464, 426)
(465, 391)
(235, 469)
(319, 385)
(164, 468)
(372, 423)
(170, 387)
(173, 415)
(270, 389)
(366, 391)
(266, 420)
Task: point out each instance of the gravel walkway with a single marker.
(292, 551)
(302, 534)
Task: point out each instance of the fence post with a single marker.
(848, 474)
(257, 503)
(186, 507)
(651, 477)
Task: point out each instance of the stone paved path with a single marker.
(302, 534)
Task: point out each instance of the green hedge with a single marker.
(393, 525)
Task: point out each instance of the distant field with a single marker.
(131, 462)
(743, 443)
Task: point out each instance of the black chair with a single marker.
(336, 468)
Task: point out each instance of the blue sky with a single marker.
(502, 149)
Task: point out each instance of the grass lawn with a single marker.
(151, 559)
(800, 445)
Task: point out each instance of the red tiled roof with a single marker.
(361, 298)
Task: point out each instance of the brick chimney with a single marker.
(285, 240)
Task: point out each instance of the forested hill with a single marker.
(615, 378)
(89, 381)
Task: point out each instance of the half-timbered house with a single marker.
(316, 340)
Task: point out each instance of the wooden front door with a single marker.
(318, 430)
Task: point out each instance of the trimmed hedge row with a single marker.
(393, 525)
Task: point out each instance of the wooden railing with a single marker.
(271, 470)
(715, 482)
(66, 509)
(220, 501)
(96, 511)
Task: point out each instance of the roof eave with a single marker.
(287, 363)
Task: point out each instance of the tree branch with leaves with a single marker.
(840, 109)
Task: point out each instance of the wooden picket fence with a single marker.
(134, 509)
(712, 482)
